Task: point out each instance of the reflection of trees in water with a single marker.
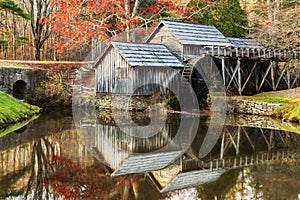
(279, 180)
(72, 181)
(41, 167)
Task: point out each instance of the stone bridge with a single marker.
(20, 81)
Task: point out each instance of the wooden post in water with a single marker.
(223, 71)
(239, 76)
(273, 77)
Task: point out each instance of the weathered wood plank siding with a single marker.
(191, 51)
(113, 74)
(148, 80)
(116, 76)
(140, 69)
(166, 37)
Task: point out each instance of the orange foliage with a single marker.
(71, 181)
(76, 21)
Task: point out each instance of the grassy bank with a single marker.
(13, 111)
(290, 100)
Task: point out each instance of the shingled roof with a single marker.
(195, 34)
(245, 43)
(192, 179)
(156, 55)
(139, 163)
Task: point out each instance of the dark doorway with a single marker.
(19, 89)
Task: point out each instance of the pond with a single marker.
(100, 159)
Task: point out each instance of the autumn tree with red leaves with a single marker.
(78, 21)
(72, 181)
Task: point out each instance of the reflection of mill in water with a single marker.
(127, 154)
(178, 167)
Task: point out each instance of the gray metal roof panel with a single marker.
(147, 162)
(196, 34)
(193, 178)
(138, 54)
(245, 43)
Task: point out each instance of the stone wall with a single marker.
(242, 106)
(32, 77)
(131, 103)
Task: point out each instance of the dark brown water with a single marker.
(49, 158)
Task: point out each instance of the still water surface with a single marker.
(49, 159)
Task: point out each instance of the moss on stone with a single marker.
(290, 100)
(13, 110)
(290, 111)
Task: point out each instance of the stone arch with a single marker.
(19, 89)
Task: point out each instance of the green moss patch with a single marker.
(13, 110)
(290, 100)
(290, 111)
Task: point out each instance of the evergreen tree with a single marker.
(225, 15)
(14, 8)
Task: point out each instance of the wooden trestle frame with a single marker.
(254, 70)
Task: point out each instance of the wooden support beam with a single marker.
(283, 140)
(266, 140)
(280, 77)
(256, 73)
(248, 138)
(239, 77)
(271, 141)
(235, 144)
(226, 144)
(295, 80)
(230, 76)
(223, 71)
(233, 74)
(273, 77)
(238, 140)
(265, 75)
(235, 80)
(249, 76)
(222, 146)
(288, 77)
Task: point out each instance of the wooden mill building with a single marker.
(195, 51)
(125, 67)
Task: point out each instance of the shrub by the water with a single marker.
(53, 92)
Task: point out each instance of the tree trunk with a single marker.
(37, 52)
(15, 35)
(40, 31)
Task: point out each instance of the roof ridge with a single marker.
(191, 23)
